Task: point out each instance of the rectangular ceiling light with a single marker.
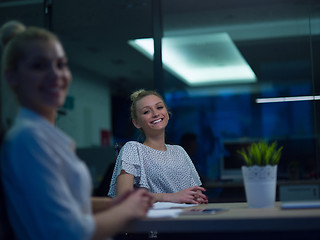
(200, 59)
(287, 99)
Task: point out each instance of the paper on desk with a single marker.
(168, 205)
(167, 209)
(159, 213)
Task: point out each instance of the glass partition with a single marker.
(279, 42)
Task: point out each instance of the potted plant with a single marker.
(260, 173)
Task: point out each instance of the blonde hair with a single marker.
(9, 30)
(139, 94)
(14, 35)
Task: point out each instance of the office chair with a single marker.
(6, 231)
(103, 188)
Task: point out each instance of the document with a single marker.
(167, 209)
(169, 205)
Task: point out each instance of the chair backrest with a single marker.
(6, 231)
(117, 148)
(103, 188)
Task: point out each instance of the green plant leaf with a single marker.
(261, 154)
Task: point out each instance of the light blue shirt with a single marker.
(158, 171)
(48, 189)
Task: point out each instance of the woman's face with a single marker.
(152, 115)
(42, 77)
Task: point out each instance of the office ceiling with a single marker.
(95, 32)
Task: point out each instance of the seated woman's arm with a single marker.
(125, 182)
(191, 195)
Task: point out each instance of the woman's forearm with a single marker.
(162, 197)
(191, 195)
(171, 197)
(126, 208)
(100, 203)
(109, 223)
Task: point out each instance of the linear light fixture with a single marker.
(19, 3)
(200, 59)
(287, 99)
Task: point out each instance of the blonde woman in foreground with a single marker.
(47, 188)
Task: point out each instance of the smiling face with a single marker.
(42, 77)
(152, 115)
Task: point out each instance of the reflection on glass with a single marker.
(281, 105)
(201, 59)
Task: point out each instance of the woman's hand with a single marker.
(135, 202)
(192, 195)
(129, 206)
(201, 198)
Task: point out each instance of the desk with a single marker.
(238, 222)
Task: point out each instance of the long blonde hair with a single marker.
(14, 35)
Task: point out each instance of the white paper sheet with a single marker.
(160, 213)
(167, 209)
(168, 205)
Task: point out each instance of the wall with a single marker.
(9, 105)
(91, 112)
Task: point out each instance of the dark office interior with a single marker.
(278, 39)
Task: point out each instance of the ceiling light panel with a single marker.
(201, 59)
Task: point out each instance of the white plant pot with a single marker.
(260, 185)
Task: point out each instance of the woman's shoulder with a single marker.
(177, 150)
(23, 132)
(131, 146)
(174, 147)
(24, 139)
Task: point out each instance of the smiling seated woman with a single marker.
(164, 170)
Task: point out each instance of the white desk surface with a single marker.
(238, 218)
